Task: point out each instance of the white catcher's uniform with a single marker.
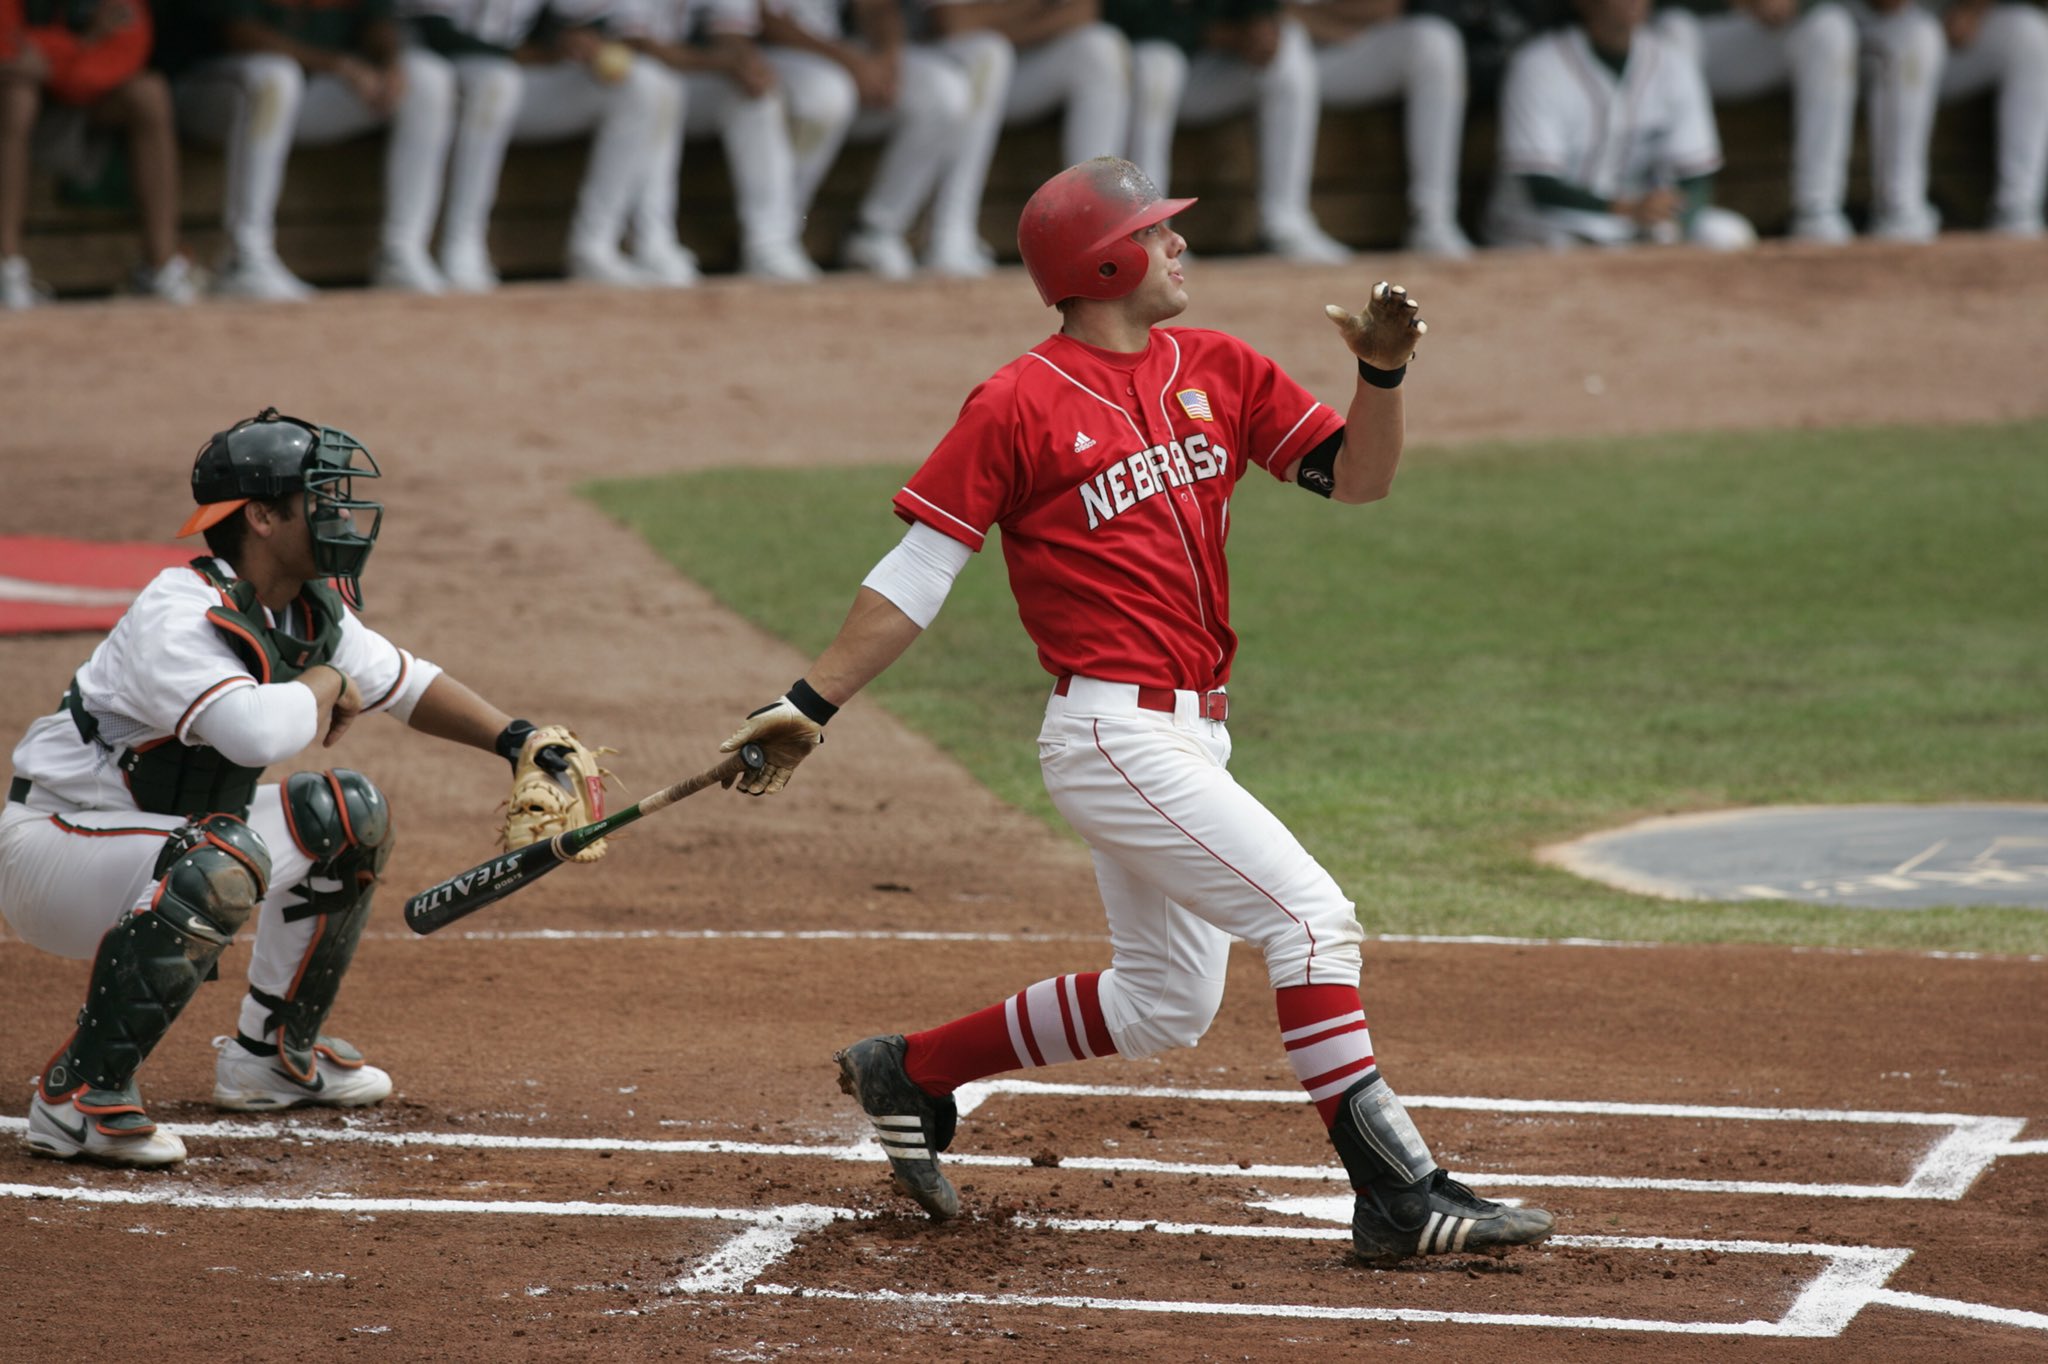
(76, 853)
(1566, 113)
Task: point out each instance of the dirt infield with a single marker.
(616, 1134)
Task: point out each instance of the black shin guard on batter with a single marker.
(1382, 1152)
(341, 821)
(211, 874)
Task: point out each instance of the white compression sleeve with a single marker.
(919, 572)
(260, 725)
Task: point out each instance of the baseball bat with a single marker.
(488, 882)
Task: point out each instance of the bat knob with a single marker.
(753, 757)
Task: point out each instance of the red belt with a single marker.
(1213, 705)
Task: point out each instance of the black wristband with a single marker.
(511, 739)
(816, 708)
(1382, 378)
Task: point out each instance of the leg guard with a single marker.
(211, 874)
(1406, 1205)
(341, 821)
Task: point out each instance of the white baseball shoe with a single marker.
(19, 289)
(669, 264)
(784, 262)
(262, 278)
(882, 254)
(177, 281)
(2022, 225)
(1305, 243)
(1828, 227)
(250, 1077)
(99, 1125)
(1439, 237)
(467, 268)
(960, 258)
(1917, 223)
(410, 270)
(602, 263)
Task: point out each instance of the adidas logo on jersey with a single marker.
(1083, 441)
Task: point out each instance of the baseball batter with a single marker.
(1109, 455)
(136, 835)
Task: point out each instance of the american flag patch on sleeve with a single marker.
(1195, 403)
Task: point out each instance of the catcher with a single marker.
(136, 834)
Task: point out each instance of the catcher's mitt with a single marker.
(557, 785)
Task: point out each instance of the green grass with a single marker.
(1528, 642)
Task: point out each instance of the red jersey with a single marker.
(1111, 476)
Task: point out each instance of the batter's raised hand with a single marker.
(1386, 333)
(786, 736)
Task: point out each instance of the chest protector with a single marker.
(172, 778)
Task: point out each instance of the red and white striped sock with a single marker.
(1053, 1021)
(1328, 1044)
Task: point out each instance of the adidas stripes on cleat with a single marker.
(1440, 1216)
(912, 1126)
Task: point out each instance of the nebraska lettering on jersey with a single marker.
(1151, 471)
(1111, 476)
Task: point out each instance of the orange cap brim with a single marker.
(210, 513)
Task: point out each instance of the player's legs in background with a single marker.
(657, 251)
(1159, 77)
(415, 158)
(21, 101)
(956, 246)
(565, 100)
(1422, 59)
(250, 103)
(763, 169)
(141, 106)
(2010, 53)
(821, 103)
(489, 91)
(1905, 51)
(923, 136)
(1086, 72)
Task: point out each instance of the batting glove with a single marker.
(787, 730)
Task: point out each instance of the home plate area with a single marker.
(1705, 1220)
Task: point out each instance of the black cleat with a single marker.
(913, 1126)
(1439, 1216)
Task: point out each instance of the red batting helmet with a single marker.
(1075, 234)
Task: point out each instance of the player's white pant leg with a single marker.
(1907, 51)
(755, 130)
(66, 879)
(820, 101)
(1087, 72)
(1284, 92)
(416, 148)
(1152, 792)
(924, 133)
(280, 946)
(1422, 58)
(618, 157)
(1822, 49)
(2010, 53)
(1165, 979)
(249, 103)
(1159, 77)
(989, 62)
(654, 211)
(489, 92)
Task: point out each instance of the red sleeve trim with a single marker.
(911, 506)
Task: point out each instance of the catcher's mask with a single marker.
(269, 455)
(1075, 232)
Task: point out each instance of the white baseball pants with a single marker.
(262, 104)
(1815, 55)
(1186, 860)
(1420, 58)
(1168, 88)
(755, 131)
(1086, 71)
(66, 879)
(921, 136)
